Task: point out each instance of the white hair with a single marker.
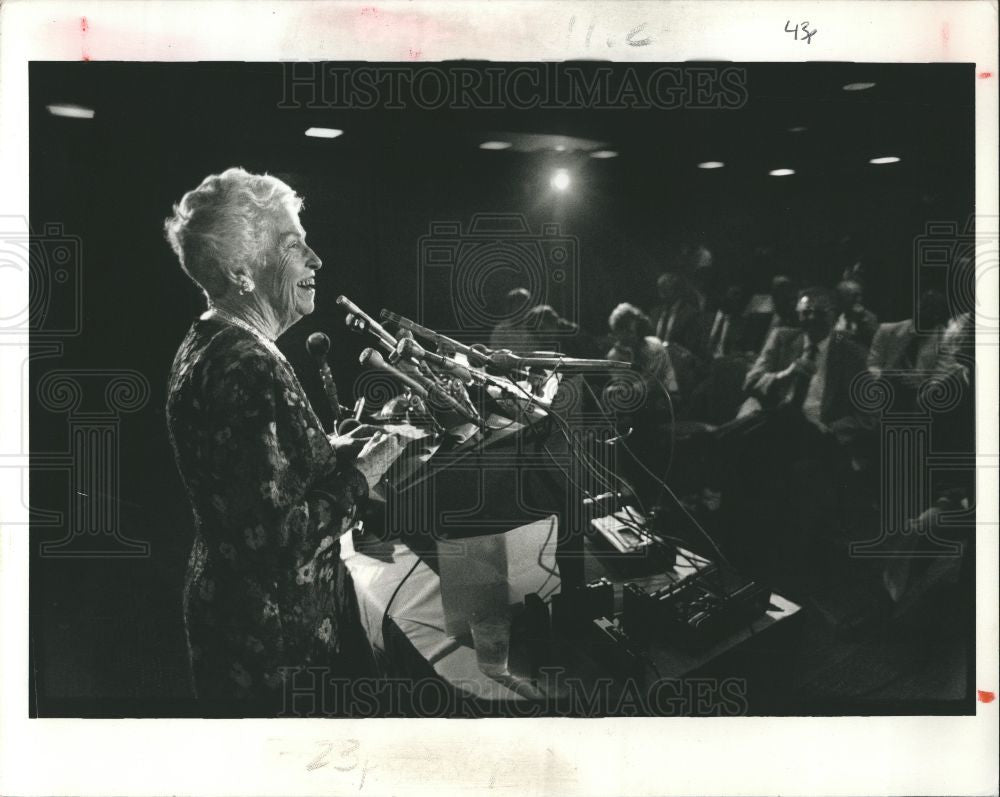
(626, 313)
(225, 221)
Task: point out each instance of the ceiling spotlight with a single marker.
(560, 147)
(781, 172)
(859, 86)
(71, 111)
(711, 165)
(324, 132)
(560, 180)
(495, 145)
(886, 159)
(797, 129)
(601, 154)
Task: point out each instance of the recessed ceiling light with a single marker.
(885, 159)
(797, 129)
(71, 111)
(495, 145)
(560, 147)
(601, 154)
(324, 132)
(560, 180)
(859, 86)
(711, 165)
(781, 172)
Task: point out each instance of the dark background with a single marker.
(106, 631)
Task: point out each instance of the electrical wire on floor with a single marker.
(395, 592)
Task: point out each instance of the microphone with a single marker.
(474, 356)
(371, 357)
(506, 361)
(408, 348)
(358, 324)
(433, 392)
(318, 346)
(373, 326)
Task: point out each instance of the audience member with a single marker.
(809, 370)
(779, 313)
(729, 332)
(789, 477)
(855, 320)
(650, 398)
(909, 353)
(665, 369)
(677, 319)
(511, 333)
(552, 332)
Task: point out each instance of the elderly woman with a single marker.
(265, 593)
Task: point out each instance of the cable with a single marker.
(671, 493)
(395, 592)
(638, 529)
(636, 526)
(541, 552)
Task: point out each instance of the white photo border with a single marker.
(873, 755)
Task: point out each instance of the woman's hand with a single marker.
(349, 445)
(376, 457)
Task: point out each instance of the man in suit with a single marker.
(791, 479)
(808, 371)
(729, 330)
(911, 354)
(914, 344)
(678, 317)
(855, 320)
(780, 312)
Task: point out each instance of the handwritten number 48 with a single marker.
(806, 34)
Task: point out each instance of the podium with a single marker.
(471, 483)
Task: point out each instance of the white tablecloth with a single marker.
(418, 609)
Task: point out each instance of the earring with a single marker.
(246, 285)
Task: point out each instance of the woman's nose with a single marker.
(313, 261)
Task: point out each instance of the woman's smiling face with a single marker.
(289, 281)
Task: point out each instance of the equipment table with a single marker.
(412, 640)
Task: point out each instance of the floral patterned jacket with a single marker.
(265, 591)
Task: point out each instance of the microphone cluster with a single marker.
(439, 378)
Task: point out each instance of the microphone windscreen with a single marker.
(318, 344)
(370, 357)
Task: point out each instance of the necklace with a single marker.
(229, 318)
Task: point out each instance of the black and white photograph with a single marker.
(482, 388)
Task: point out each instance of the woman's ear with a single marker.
(240, 278)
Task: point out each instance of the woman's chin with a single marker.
(305, 307)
